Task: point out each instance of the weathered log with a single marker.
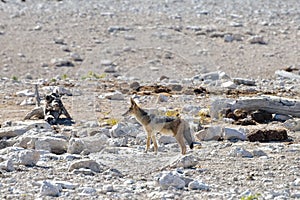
(267, 135)
(271, 104)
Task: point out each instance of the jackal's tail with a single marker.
(188, 135)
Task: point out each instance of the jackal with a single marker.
(153, 124)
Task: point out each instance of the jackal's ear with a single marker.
(132, 101)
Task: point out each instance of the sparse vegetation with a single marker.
(251, 197)
(93, 75)
(15, 78)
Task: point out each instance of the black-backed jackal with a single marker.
(153, 124)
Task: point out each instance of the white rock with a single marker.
(243, 81)
(117, 95)
(87, 191)
(49, 189)
(230, 133)
(229, 85)
(214, 76)
(119, 130)
(288, 75)
(52, 144)
(125, 129)
(108, 188)
(66, 185)
(90, 144)
(240, 152)
(291, 124)
(282, 118)
(7, 165)
(210, 133)
(296, 182)
(170, 179)
(25, 93)
(76, 146)
(28, 157)
(257, 40)
(197, 185)
(186, 161)
(86, 164)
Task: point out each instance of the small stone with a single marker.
(108, 188)
(66, 185)
(292, 124)
(60, 62)
(134, 85)
(257, 40)
(229, 85)
(173, 180)
(76, 57)
(106, 62)
(7, 165)
(230, 134)
(281, 117)
(242, 81)
(197, 185)
(162, 98)
(87, 191)
(86, 164)
(210, 133)
(187, 161)
(117, 95)
(258, 153)
(240, 152)
(37, 28)
(49, 189)
(59, 41)
(28, 157)
(110, 69)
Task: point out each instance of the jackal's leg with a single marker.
(154, 143)
(148, 143)
(180, 140)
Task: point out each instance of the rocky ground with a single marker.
(171, 56)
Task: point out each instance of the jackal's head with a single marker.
(133, 108)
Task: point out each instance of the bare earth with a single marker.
(73, 43)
